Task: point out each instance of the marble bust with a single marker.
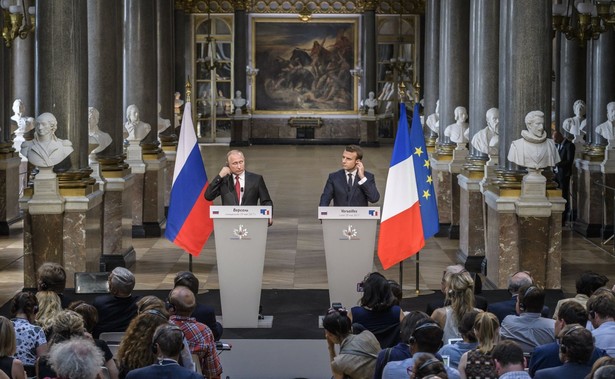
(134, 128)
(95, 135)
(45, 149)
(163, 123)
(177, 103)
(575, 126)
(486, 140)
(457, 131)
(606, 128)
(239, 102)
(24, 124)
(433, 120)
(371, 102)
(534, 150)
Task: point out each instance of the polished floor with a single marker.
(295, 256)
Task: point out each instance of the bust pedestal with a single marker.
(454, 168)
(533, 201)
(46, 198)
(368, 129)
(134, 158)
(471, 220)
(442, 180)
(241, 130)
(590, 198)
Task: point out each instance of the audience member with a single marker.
(605, 372)
(428, 366)
(586, 284)
(11, 366)
(181, 304)
(135, 348)
(602, 362)
(119, 307)
(529, 329)
(480, 301)
(358, 352)
(147, 303)
(31, 340)
(49, 305)
(377, 312)
(508, 307)
(460, 293)
(477, 363)
(400, 351)
(546, 356)
(426, 338)
(576, 347)
(66, 325)
(167, 343)
(456, 349)
(601, 308)
(203, 313)
(52, 277)
(77, 358)
(90, 319)
(509, 361)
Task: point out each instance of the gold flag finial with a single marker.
(188, 90)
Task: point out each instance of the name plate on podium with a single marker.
(339, 213)
(240, 211)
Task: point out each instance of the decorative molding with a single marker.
(327, 7)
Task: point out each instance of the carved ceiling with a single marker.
(296, 6)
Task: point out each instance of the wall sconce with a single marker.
(17, 23)
(357, 71)
(587, 25)
(305, 14)
(251, 72)
(606, 11)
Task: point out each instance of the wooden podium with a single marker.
(350, 235)
(241, 240)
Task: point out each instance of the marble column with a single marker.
(432, 55)
(524, 232)
(68, 235)
(166, 89)
(596, 204)
(141, 89)
(239, 73)
(454, 92)
(369, 128)
(483, 89)
(22, 63)
(105, 44)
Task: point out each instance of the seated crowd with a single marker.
(49, 336)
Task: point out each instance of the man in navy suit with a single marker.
(563, 170)
(167, 343)
(351, 186)
(575, 350)
(236, 186)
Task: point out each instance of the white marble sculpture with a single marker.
(606, 128)
(177, 108)
(45, 149)
(134, 128)
(239, 102)
(433, 120)
(163, 123)
(486, 140)
(575, 126)
(95, 135)
(457, 131)
(534, 150)
(23, 125)
(371, 103)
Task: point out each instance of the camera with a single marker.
(336, 306)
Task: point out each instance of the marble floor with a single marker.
(295, 256)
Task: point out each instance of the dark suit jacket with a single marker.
(170, 371)
(508, 307)
(253, 191)
(566, 155)
(547, 356)
(336, 189)
(205, 314)
(567, 371)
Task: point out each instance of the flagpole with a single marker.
(401, 276)
(417, 273)
(188, 95)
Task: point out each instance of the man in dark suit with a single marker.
(509, 307)
(351, 186)
(563, 170)
(236, 186)
(575, 350)
(167, 343)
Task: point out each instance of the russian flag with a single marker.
(409, 211)
(188, 221)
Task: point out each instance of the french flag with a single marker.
(188, 221)
(409, 211)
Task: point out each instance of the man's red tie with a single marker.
(237, 188)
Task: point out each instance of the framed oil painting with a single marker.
(304, 67)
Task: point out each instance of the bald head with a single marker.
(518, 280)
(183, 300)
